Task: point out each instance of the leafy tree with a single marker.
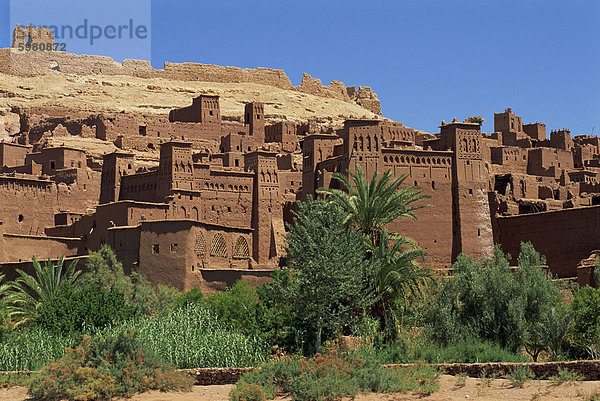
(586, 320)
(279, 318)
(370, 206)
(28, 293)
(488, 300)
(238, 306)
(329, 268)
(105, 274)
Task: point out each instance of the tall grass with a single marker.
(187, 337)
(193, 337)
(32, 349)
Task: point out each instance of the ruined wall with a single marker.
(565, 237)
(313, 86)
(28, 64)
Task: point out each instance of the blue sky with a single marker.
(427, 60)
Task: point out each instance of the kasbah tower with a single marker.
(193, 197)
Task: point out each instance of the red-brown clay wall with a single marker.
(178, 251)
(13, 155)
(565, 237)
(28, 206)
(433, 174)
(23, 247)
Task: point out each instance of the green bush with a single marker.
(519, 375)
(331, 376)
(487, 300)
(189, 297)
(423, 349)
(238, 306)
(566, 376)
(75, 310)
(586, 320)
(106, 274)
(104, 367)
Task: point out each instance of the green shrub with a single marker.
(75, 310)
(238, 307)
(104, 367)
(519, 375)
(423, 349)
(14, 379)
(566, 376)
(487, 300)
(586, 320)
(106, 274)
(256, 385)
(189, 297)
(248, 392)
(332, 376)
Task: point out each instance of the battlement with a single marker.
(28, 64)
(31, 35)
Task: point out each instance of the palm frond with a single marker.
(28, 293)
(371, 205)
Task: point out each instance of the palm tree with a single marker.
(370, 206)
(397, 277)
(28, 293)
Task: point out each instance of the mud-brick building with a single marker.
(450, 170)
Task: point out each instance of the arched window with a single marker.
(218, 248)
(369, 143)
(183, 212)
(362, 147)
(241, 249)
(376, 144)
(200, 246)
(195, 214)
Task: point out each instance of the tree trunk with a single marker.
(318, 340)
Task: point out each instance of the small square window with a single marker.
(155, 249)
(173, 248)
(470, 191)
(52, 164)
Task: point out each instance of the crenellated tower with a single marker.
(472, 230)
(115, 165)
(175, 168)
(254, 119)
(267, 213)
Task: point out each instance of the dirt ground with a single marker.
(450, 389)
